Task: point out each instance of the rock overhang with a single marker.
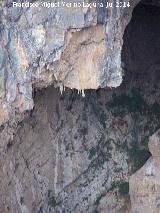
(69, 47)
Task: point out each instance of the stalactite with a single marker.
(83, 94)
(61, 89)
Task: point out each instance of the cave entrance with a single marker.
(141, 49)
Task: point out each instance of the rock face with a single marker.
(64, 153)
(76, 154)
(65, 160)
(145, 184)
(65, 46)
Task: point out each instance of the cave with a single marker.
(140, 53)
(74, 154)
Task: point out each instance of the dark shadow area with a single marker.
(141, 49)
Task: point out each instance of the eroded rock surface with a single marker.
(76, 154)
(145, 184)
(72, 47)
(71, 154)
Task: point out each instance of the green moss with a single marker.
(132, 103)
(99, 113)
(114, 185)
(51, 199)
(103, 157)
(145, 142)
(52, 202)
(101, 153)
(92, 153)
(117, 170)
(137, 156)
(155, 109)
(95, 211)
(123, 188)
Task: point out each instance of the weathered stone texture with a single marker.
(72, 154)
(145, 184)
(73, 47)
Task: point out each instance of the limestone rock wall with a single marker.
(69, 153)
(145, 184)
(76, 48)
(76, 154)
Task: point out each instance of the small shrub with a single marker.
(155, 109)
(132, 103)
(114, 186)
(92, 153)
(117, 170)
(145, 142)
(137, 156)
(51, 199)
(123, 188)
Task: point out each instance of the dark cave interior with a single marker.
(141, 49)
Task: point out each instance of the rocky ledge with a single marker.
(69, 47)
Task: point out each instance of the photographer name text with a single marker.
(59, 4)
